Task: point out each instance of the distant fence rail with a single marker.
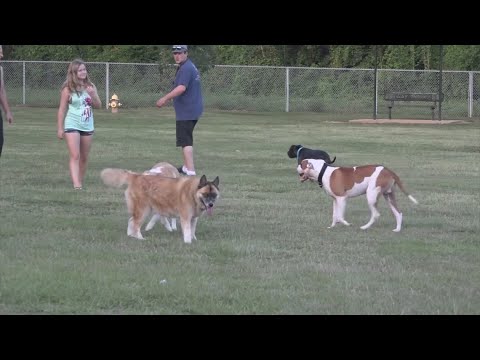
(254, 88)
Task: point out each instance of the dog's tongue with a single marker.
(210, 211)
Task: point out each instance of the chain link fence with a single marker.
(256, 88)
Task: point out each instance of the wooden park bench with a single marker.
(433, 98)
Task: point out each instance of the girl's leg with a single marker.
(73, 144)
(85, 145)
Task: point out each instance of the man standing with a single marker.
(188, 104)
(3, 104)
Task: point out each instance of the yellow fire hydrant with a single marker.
(114, 103)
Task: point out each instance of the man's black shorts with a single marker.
(185, 132)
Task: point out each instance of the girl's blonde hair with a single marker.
(72, 82)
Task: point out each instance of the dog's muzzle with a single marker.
(209, 207)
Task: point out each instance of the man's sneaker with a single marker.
(180, 170)
(188, 172)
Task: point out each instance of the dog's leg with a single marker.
(341, 205)
(372, 198)
(130, 227)
(136, 222)
(186, 228)
(174, 223)
(334, 212)
(133, 229)
(392, 202)
(156, 217)
(194, 227)
(166, 222)
(130, 211)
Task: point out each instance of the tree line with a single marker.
(414, 57)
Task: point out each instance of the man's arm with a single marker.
(179, 90)
(4, 100)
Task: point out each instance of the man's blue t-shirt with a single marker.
(189, 105)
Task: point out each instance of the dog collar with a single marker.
(324, 167)
(298, 151)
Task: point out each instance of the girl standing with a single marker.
(77, 99)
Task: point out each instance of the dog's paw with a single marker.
(166, 223)
(149, 226)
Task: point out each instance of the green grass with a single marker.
(267, 249)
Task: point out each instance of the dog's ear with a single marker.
(304, 164)
(306, 173)
(291, 152)
(203, 182)
(216, 181)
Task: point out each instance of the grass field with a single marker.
(266, 249)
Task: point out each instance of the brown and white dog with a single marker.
(164, 169)
(342, 183)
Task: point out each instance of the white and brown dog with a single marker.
(342, 183)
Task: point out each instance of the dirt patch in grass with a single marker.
(407, 121)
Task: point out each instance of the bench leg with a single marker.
(389, 113)
(433, 113)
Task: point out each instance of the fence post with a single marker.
(440, 85)
(287, 90)
(107, 84)
(376, 94)
(24, 81)
(470, 94)
(375, 84)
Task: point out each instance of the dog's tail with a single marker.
(400, 185)
(332, 161)
(115, 177)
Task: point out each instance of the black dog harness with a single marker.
(324, 167)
